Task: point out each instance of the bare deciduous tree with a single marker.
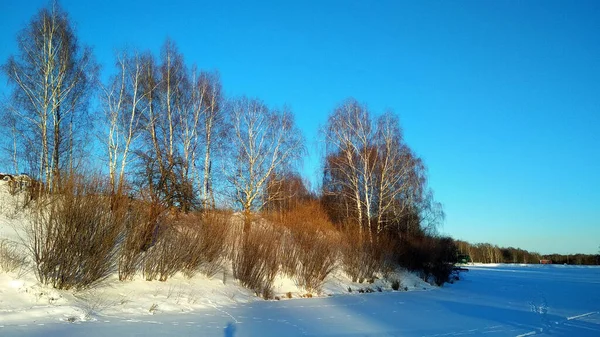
(199, 128)
(371, 175)
(265, 143)
(180, 115)
(122, 105)
(167, 91)
(52, 78)
(398, 180)
(348, 137)
(286, 192)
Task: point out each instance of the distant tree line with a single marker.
(576, 259)
(488, 253)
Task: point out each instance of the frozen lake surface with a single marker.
(500, 300)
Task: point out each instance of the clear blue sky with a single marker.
(500, 98)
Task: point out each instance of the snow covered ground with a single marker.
(495, 300)
(25, 304)
(492, 301)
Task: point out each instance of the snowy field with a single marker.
(490, 300)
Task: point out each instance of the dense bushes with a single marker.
(189, 244)
(141, 222)
(205, 237)
(363, 257)
(73, 235)
(81, 234)
(162, 245)
(433, 256)
(310, 246)
(166, 256)
(256, 260)
(316, 258)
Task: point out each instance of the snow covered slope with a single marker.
(23, 301)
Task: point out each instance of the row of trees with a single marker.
(488, 253)
(170, 135)
(175, 125)
(176, 144)
(165, 125)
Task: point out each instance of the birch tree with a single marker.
(349, 138)
(122, 101)
(213, 123)
(266, 142)
(182, 116)
(166, 89)
(370, 174)
(199, 129)
(52, 78)
(398, 180)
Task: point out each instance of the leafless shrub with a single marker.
(166, 257)
(306, 219)
(433, 256)
(309, 246)
(290, 254)
(73, 235)
(317, 255)
(11, 258)
(141, 222)
(256, 261)
(362, 258)
(187, 243)
(206, 238)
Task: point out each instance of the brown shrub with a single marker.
(187, 243)
(141, 222)
(166, 256)
(309, 247)
(363, 257)
(256, 261)
(205, 236)
(73, 235)
(316, 255)
(306, 216)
